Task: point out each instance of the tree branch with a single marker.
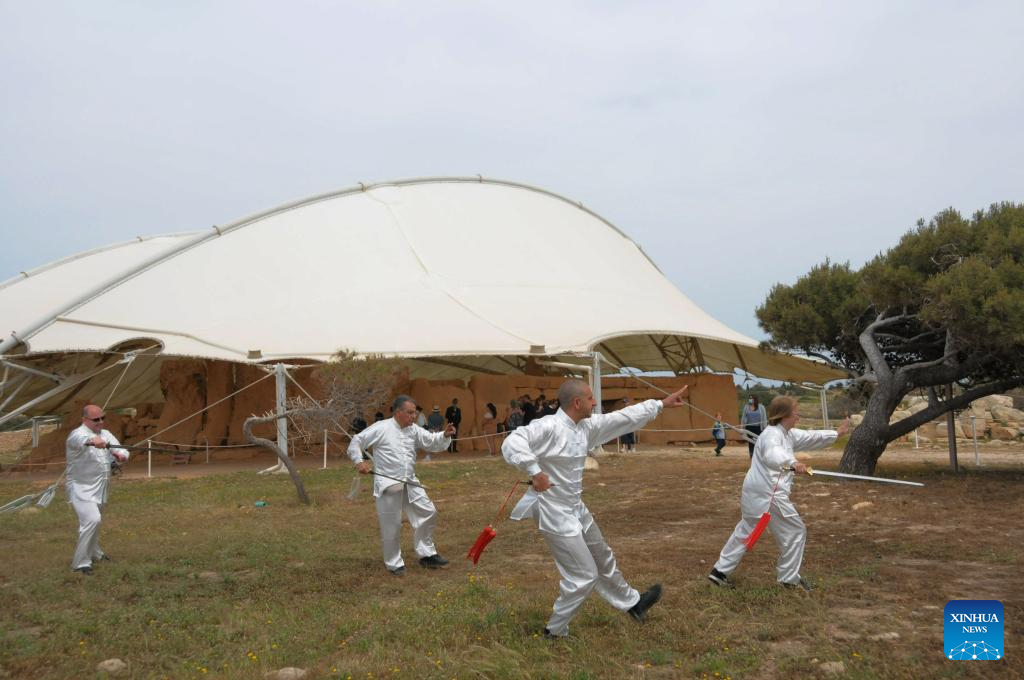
(937, 408)
(870, 345)
(267, 444)
(921, 365)
(831, 362)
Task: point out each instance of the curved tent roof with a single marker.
(456, 274)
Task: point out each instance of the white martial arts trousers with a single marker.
(790, 535)
(88, 547)
(422, 518)
(585, 562)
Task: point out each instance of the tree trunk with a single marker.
(267, 444)
(865, 447)
(868, 440)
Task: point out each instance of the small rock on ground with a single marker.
(112, 667)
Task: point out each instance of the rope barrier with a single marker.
(745, 434)
(128, 364)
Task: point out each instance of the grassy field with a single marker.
(204, 583)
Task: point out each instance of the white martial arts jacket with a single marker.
(558, 447)
(394, 451)
(772, 452)
(88, 468)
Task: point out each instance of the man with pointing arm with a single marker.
(552, 450)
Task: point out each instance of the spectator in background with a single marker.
(753, 419)
(453, 416)
(490, 427)
(550, 408)
(513, 416)
(358, 424)
(627, 441)
(421, 418)
(528, 408)
(435, 422)
(718, 433)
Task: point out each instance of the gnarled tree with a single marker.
(943, 307)
(353, 387)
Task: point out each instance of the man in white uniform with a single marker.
(552, 450)
(768, 482)
(394, 442)
(88, 478)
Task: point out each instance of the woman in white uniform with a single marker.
(766, 489)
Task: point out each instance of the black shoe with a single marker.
(400, 571)
(85, 570)
(720, 579)
(647, 600)
(548, 635)
(104, 558)
(435, 561)
(802, 584)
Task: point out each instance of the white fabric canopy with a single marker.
(459, 274)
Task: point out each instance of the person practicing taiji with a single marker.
(552, 451)
(394, 442)
(89, 455)
(766, 489)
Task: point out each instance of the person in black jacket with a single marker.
(453, 415)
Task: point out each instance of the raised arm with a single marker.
(434, 441)
(606, 427)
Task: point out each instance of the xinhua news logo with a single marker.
(974, 630)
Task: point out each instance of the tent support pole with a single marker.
(281, 378)
(595, 380)
(824, 408)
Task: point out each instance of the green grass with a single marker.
(203, 583)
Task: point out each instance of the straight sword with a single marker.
(866, 478)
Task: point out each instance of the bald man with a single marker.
(552, 450)
(89, 455)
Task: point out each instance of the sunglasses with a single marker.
(97, 420)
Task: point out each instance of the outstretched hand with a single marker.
(843, 428)
(450, 430)
(676, 398)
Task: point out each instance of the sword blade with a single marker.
(864, 477)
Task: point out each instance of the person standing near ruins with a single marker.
(89, 456)
(753, 419)
(453, 416)
(627, 442)
(394, 443)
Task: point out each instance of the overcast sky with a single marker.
(739, 143)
